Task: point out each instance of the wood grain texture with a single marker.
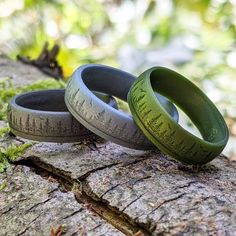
(32, 205)
(148, 189)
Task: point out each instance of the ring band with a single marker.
(43, 116)
(97, 116)
(166, 134)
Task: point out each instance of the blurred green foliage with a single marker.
(93, 31)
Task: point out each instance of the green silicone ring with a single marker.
(163, 131)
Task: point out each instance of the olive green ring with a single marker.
(163, 131)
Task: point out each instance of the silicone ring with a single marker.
(43, 116)
(97, 116)
(166, 134)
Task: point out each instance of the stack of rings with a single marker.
(87, 109)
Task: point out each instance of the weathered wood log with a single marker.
(139, 193)
(148, 189)
(32, 205)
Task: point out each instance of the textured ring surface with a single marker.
(166, 134)
(43, 116)
(100, 118)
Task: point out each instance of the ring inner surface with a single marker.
(193, 102)
(50, 100)
(108, 80)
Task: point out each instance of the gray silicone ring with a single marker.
(43, 116)
(100, 118)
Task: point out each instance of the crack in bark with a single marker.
(141, 179)
(18, 139)
(53, 191)
(187, 184)
(166, 201)
(40, 203)
(119, 184)
(72, 214)
(84, 176)
(133, 162)
(96, 227)
(129, 181)
(22, 199)
(35, 161)
(110, 189)
(29, 225)
(74, 234)
(136, 199)
(64, 174)
(8, 210)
